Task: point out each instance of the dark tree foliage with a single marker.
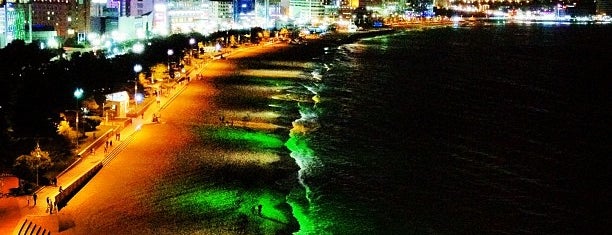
(24, 101)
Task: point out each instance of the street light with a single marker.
(192, 41)
(170, 53)
(77, 94)
(137, 69)
(38, 161)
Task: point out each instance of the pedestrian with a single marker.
(142, 116)
(50, 207)
(119, 136)
(93, 151)
(259, 209)
(28, 198)
(34, 196)
(107, 143)
(105, 149)
(111, 143)
(48, 200)
(61, 189)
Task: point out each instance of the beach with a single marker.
(218, 153)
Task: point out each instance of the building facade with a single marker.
(604, 7)
(306, 10)
(67, 17)
(13, 20)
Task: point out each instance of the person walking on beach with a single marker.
(34, 196)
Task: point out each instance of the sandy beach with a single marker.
(217, 154)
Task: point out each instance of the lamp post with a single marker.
(192, 41)
(137, 69)
(170, 53)
(37, 160)
(77, 94)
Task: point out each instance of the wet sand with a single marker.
(197, 172)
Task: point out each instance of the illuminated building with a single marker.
(604, 7)
(139, 7)
(67, 17)
(189, 15)
(13, 22)
(306, 10)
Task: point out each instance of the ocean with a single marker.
(492, 128)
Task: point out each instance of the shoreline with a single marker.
(287, 168)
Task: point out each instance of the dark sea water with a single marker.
(488, 129)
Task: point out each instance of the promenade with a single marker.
(21, 214)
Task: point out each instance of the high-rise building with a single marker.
(604, 7)
(346, 8)
(222, 13)
(306, 10)
(139, 7)
(67, 17)
(13, 20)
(189, 15)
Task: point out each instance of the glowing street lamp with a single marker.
(170, 53)
(138, 48)
(77, 94)
(38, 160)
(137, 69)
(192, 41)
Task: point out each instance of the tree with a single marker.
(64, 129)
(91, 105)
(159, 72)
(27, 166)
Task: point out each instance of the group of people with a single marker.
(51, 206)
(108, 143)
